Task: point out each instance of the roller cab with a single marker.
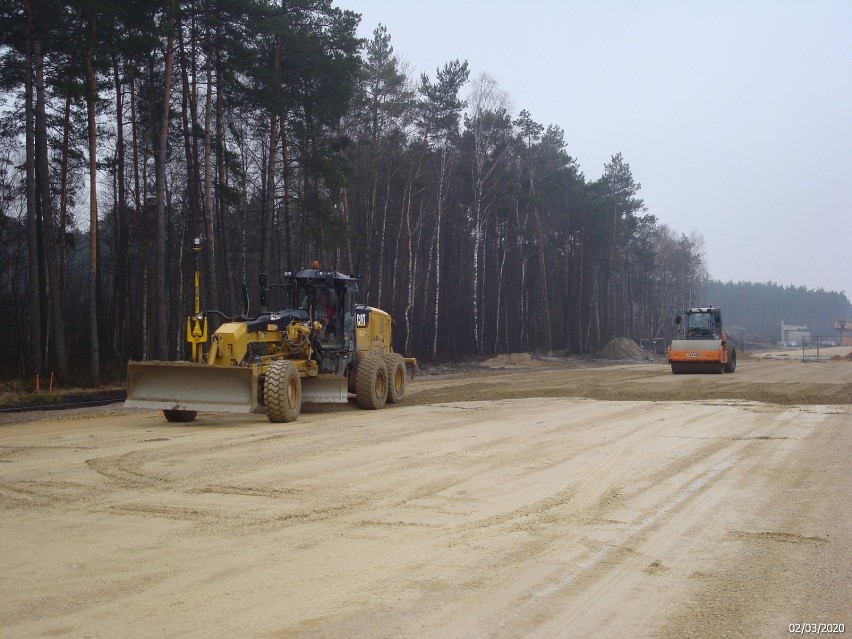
(702, 346)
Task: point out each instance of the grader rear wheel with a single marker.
(397, 377)
(372, 383)
(282, 392)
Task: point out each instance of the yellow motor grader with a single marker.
(320, 347)
(702, 346)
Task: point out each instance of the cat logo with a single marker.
(360, 320)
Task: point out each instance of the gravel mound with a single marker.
(510, 360)
(623, 348)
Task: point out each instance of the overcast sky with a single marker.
(735, 116)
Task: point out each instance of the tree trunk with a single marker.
(382, 244)
(372, 207)
(34, 257)
(499, 285)
(189, 118)
(120, 280)
(609, 309)
(542, 269)
(288, 195)
(43, 191)
(139, 222)
(269, 226)
(344, 196)
(437, 248)
(222, 179)
(412, 264)
(162, 328)
(210, 251)
(406, 203)
(524, 301)
(63, 179)
(581, 287)
(94, 346)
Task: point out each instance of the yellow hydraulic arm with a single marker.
(196, 326)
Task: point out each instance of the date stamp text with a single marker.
(808, 628)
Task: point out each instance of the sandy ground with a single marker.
(532, 498)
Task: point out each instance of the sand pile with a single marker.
(510, 360)
(623, 348)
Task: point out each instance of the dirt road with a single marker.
(534, 498)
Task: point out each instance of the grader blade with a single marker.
(188, 386)
(325, 389)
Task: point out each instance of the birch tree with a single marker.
(488, 125)
(440, 108)
(386, 99)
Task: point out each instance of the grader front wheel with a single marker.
(282, 392)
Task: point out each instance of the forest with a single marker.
(271, 132)
(755, 311)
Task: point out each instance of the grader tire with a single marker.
(371, 383)
(282, 392)
(397, 377)
(179, 415)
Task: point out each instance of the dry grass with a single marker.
(19, 394)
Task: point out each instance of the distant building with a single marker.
(844, 333)
(793, 335)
